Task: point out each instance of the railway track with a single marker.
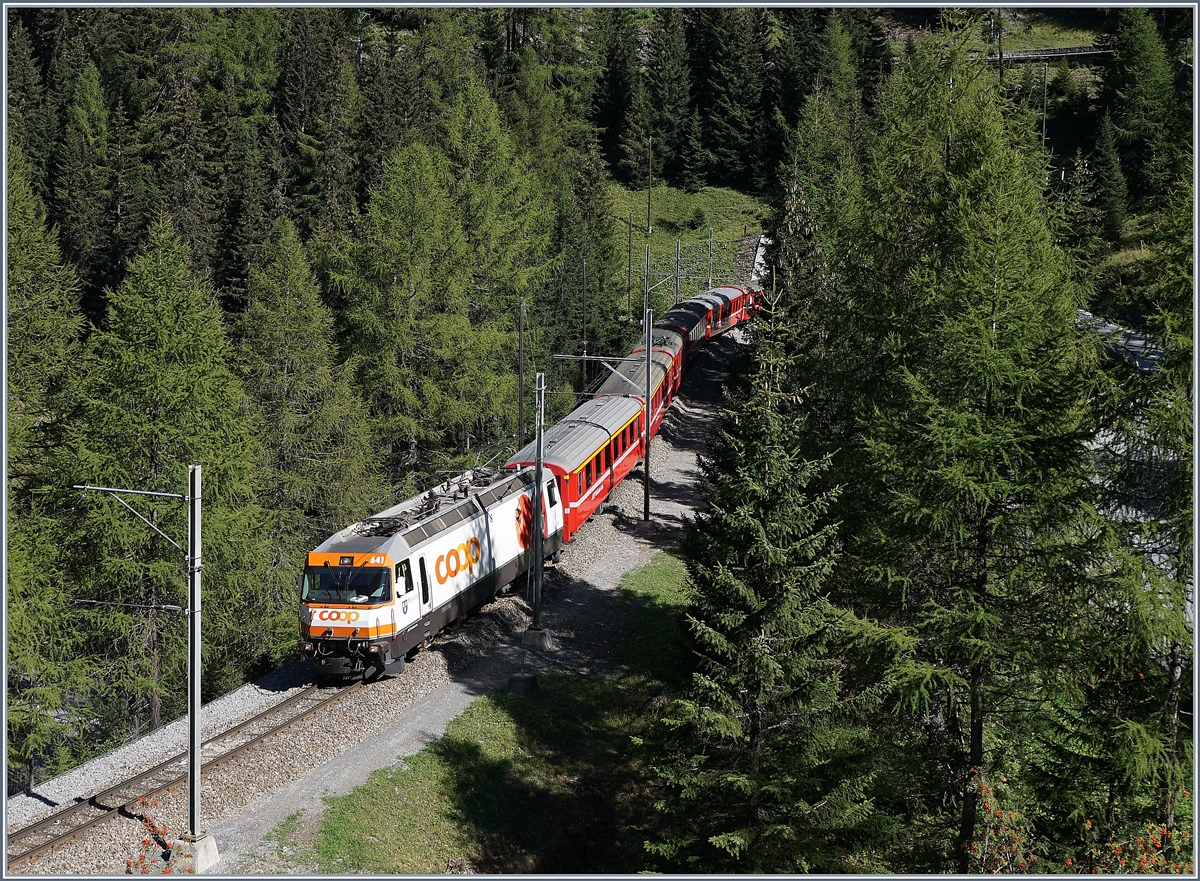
(57, 829)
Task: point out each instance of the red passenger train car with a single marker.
(601, 441)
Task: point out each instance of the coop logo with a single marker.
(336, 615)
(524, 521)
(463, 557)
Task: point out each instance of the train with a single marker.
(375, 592)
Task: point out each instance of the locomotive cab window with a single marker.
(345, 584)
(551, 494)
(404, 576)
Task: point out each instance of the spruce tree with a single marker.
(670, 88)
(767, 768)
(180, 138)
(1138, 91)
(693, 159)
(1081, 225)
(82, 178)
(136, 199)
(730, 95)
(1110, 182)
(615, 89)
(791, 50)
(636, 146)
(29, 123)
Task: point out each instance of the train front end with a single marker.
(348, 614)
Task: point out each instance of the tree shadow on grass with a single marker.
(563, 802)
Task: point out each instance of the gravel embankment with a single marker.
(398, 715)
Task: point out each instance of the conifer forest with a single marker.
(940, 596)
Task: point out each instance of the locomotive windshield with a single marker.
(345, 584)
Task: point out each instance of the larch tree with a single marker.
(317, 472)
(405, 322)
(158, 399)
(506, 224)
(46, 672)
(983, 530)
(1149, 451)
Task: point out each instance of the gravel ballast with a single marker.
(398, 715)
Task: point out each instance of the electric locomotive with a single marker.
(377, 590)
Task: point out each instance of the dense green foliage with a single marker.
(1007, 553)
(939, 594)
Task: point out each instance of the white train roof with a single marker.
(633, 374)
(571, 442)
(402, 527)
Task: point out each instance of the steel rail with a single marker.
(151, 775)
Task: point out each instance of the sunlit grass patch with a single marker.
(552, 783)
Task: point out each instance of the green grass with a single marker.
(659, 652)
(1049, 29)
(548, 784)
(1043, 29)
(686, 217)
(282, 839)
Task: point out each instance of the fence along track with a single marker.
(58, 828)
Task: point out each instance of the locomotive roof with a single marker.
(406, 525)
(571, 442)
